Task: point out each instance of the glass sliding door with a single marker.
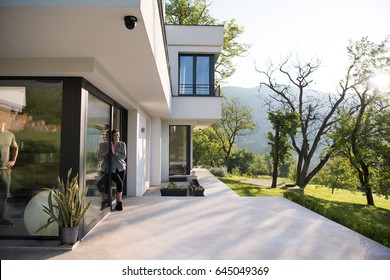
(30, 120)
(97, 153)
(179, 150)
(102, 117)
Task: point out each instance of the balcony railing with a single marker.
(198, 90)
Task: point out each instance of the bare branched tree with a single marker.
(290, 83)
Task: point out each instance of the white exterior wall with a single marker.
(155, 151)
(142, 161)
(195, 107)
(165, 151)
(157, 45)
(132, 140)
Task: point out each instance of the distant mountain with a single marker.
(256, 142)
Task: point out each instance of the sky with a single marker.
(306, 29)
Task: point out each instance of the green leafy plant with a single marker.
(194, 186)
(197, 188)
(66, 203)
(173, 186)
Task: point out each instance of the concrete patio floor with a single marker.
(219, 226)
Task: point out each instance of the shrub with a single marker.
(218, 171)
(173, 186)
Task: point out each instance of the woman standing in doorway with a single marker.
(118, 166)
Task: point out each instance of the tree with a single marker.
(290, 91)
(362, 135)
(284, 124)
(261, 165)
(337, 174)
(224, 68)
(242, 159)
(196, 12)
(207, 148)
(188, 12)
(237, 120)
(44, 104)
(360, 140)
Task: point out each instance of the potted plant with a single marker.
(66, 208)
(195, 188)
(173, 190)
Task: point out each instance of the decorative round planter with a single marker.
(68, 236)
(34, 217)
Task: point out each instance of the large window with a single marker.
(179, 150)
(30, 113)
(196, 75)
(55, 124)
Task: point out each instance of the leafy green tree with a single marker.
(224, 68)
(285, 124)
(44, 104)
(359, 140)
(242, 159)
(237, 120)
(288, 168)
(362, 135)
(196, 12)
(338, 174)
(207, 148)
(261, 165)
(188, 12)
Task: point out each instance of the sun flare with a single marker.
(381, 81)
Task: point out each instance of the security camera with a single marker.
(130, 22)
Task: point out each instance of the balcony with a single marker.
(204, 109)
(198, 90)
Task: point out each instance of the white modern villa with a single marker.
(72, 69)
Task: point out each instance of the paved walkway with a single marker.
(219, 226)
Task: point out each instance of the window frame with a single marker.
(194, 86)
(187, 145)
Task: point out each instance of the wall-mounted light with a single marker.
(143, 129)
(130, 22)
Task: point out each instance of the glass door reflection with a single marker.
(30, 112)
(97, 153)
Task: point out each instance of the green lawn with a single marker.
(340, 195)
(347, 208)
(243, 189)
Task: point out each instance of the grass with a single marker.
(341, 195)
(245, 189)
(344, 207)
